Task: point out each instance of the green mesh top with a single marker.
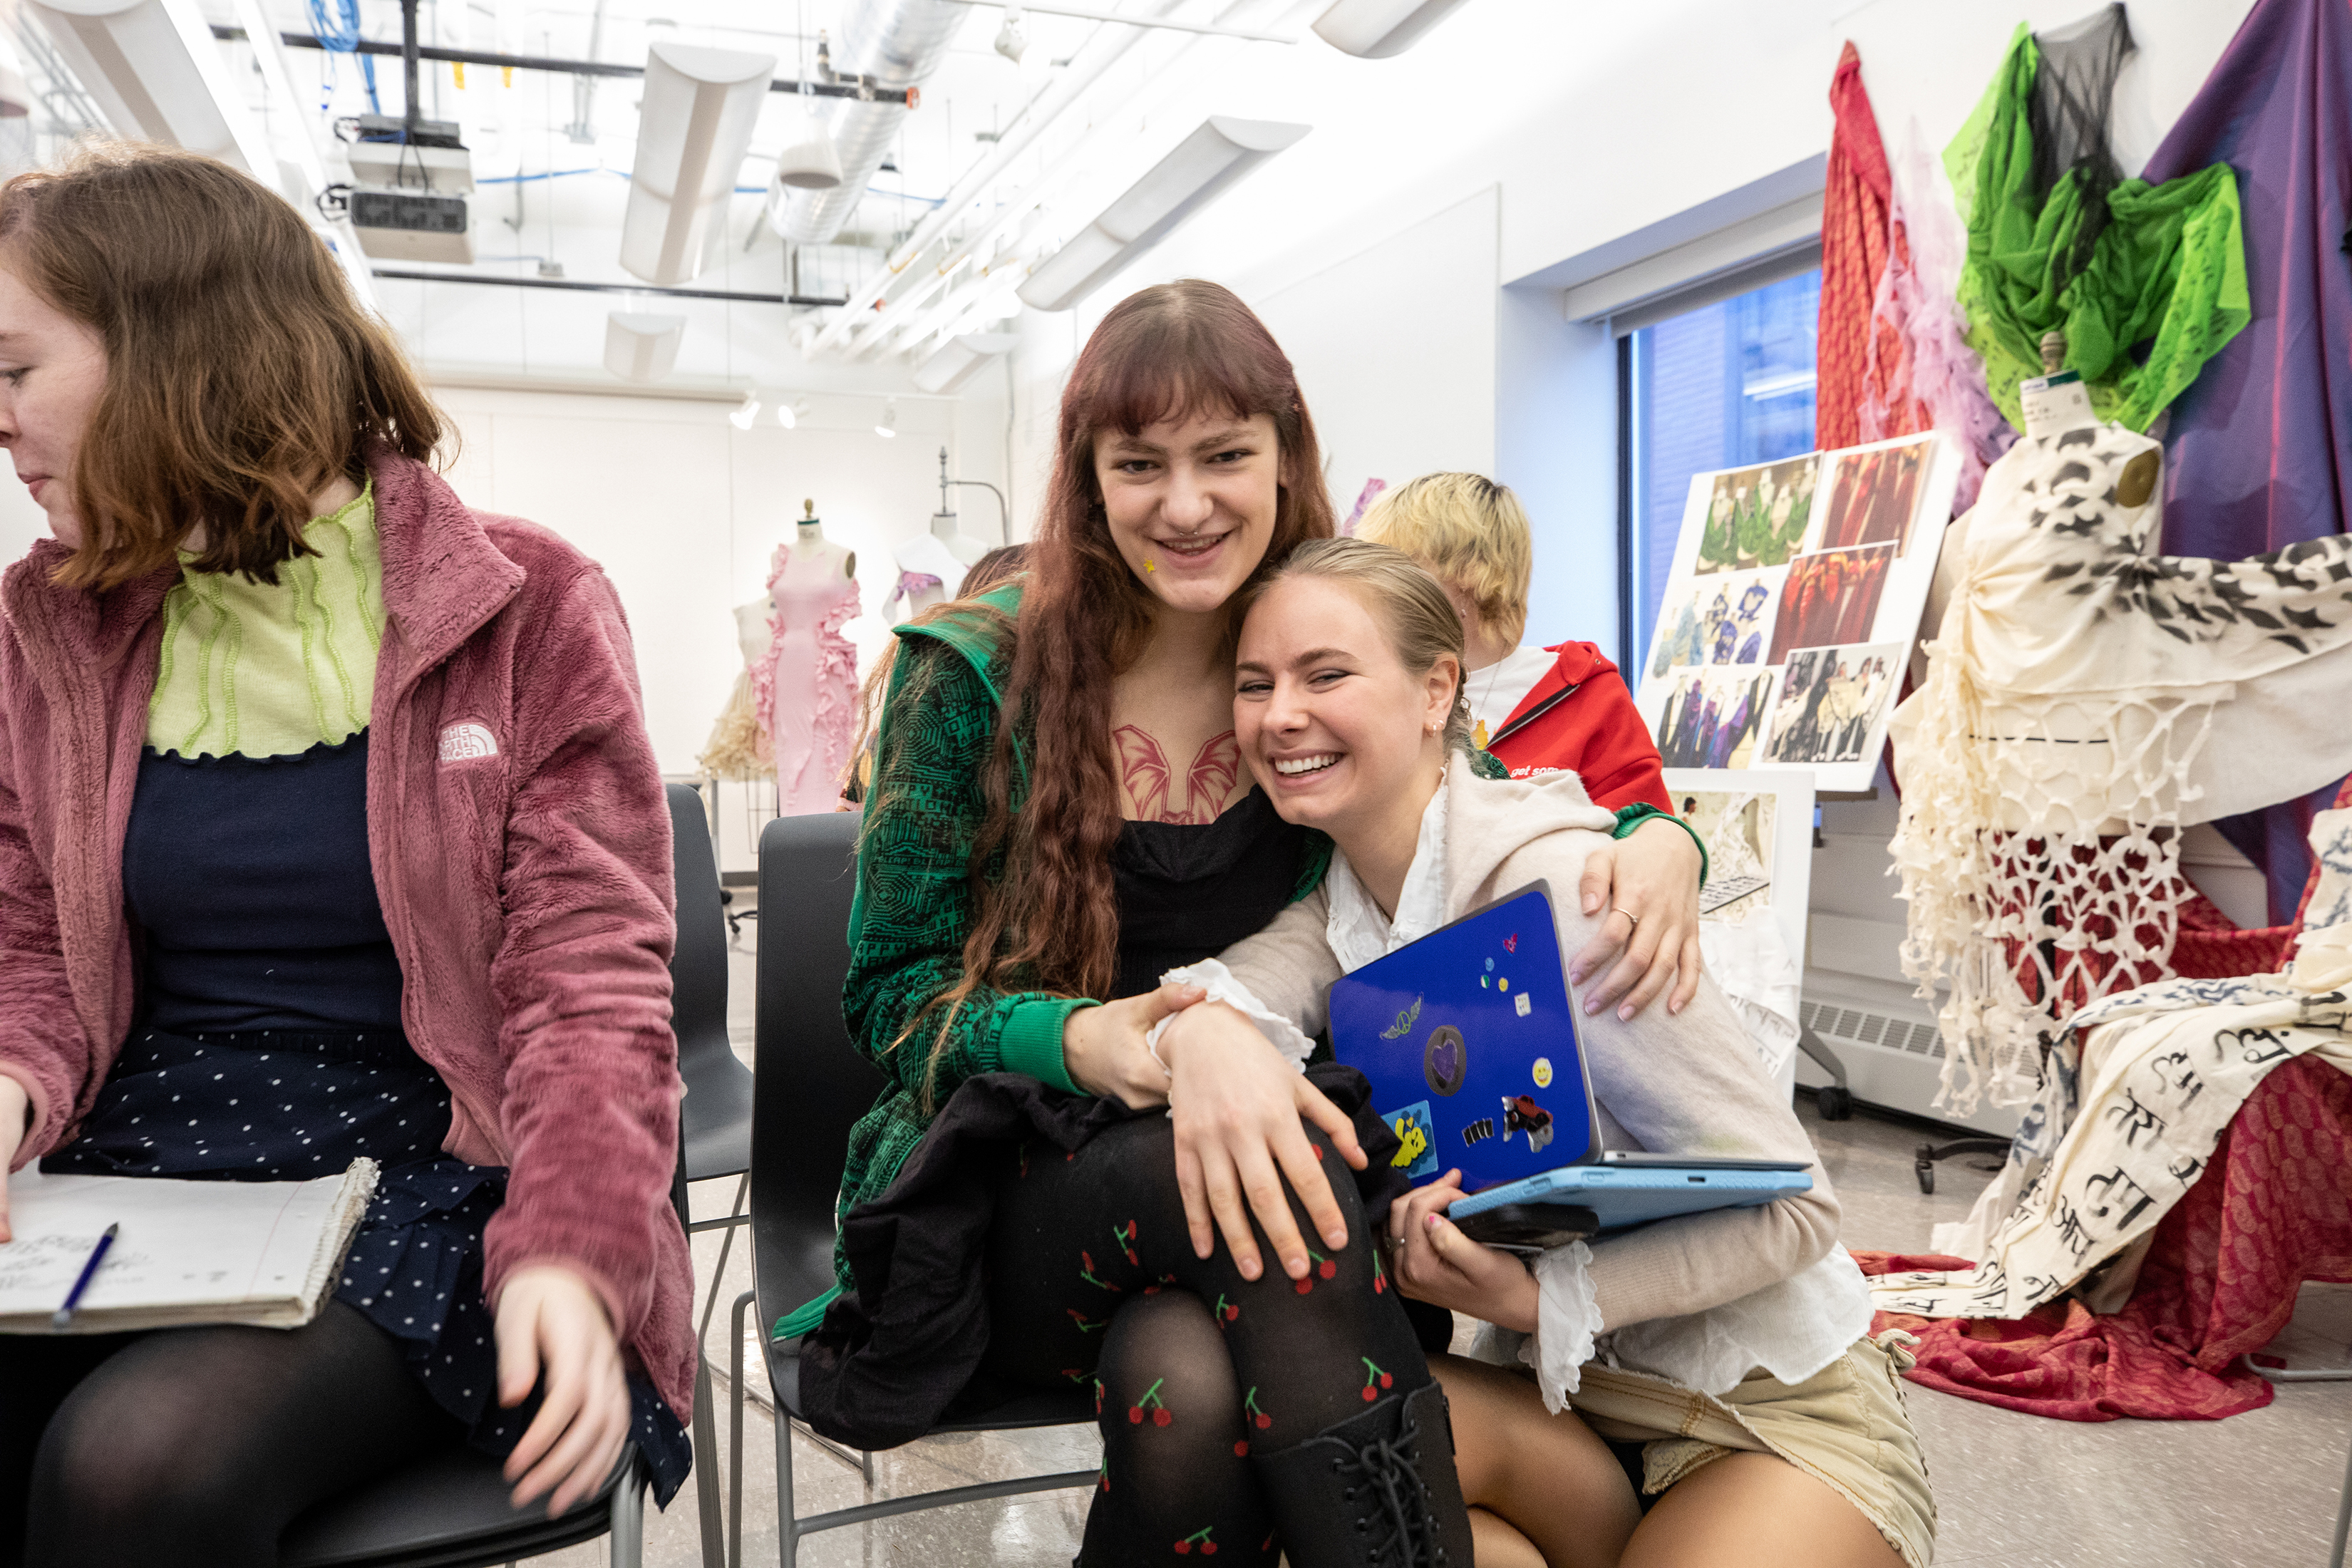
(271, 669)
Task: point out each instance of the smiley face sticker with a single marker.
(1543, 1072)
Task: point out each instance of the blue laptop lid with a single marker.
(1468, 1036)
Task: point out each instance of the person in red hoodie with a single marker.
(330, 830)
(1561, 709)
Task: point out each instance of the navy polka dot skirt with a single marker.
(279, 1106)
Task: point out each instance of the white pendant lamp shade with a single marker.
(156, 75)
(809, 161)
(1375, 29)
(1196, 173)
(640, 347)
(695, 125)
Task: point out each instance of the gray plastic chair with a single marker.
(811, 1087)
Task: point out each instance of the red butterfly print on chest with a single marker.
(1150, 784)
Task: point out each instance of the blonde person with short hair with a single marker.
(1538, 709)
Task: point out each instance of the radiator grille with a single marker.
(1856, 1025)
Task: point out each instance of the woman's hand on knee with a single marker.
(15, 1109)
(1106, 1050)
(552, 1330)
(1238, 1108)
(1645, 887)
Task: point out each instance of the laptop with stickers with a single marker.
(1469, 1039)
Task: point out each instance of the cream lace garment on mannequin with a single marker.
(2085, 699)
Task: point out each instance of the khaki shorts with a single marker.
(1845, 1425)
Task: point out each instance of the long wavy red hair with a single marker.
(1049, 921)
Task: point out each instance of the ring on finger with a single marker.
(1622, 910)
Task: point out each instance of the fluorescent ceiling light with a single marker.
(959, 359)
(694, 126)
(1200, 169)
(1375, 29)
(642, 347)
(889, 426)
(157, 76)
(741, 418)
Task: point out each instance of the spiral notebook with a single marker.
(260, 1253)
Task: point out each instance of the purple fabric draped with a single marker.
(2259, 451)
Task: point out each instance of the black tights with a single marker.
(196, 1445)
(1092, 1280)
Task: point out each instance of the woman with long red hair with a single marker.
(1058, 816)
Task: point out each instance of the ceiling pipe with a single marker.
(1110, 44)
(892, 43)
(837, 89)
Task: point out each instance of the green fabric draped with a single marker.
(2163, 289)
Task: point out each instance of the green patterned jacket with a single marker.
(913, 907)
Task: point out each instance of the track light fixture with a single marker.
(790, 414)
(1012, 37)
(889, 426)
(741, 418)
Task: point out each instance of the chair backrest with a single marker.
(698, 969)
(810, 1083)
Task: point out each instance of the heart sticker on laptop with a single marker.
(1446, 1060)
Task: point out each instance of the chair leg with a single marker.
(788, 1524)
(2342, 1519)
(629, 1521)
(735, 1432)
(706, 1465)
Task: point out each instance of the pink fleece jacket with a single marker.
(521, 849)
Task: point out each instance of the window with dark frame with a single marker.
(1725, 383)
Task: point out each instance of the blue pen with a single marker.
(64, 1315)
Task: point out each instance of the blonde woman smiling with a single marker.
(1771, 1430)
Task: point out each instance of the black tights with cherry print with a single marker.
(1092, 1280)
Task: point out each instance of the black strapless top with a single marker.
(1188, 892)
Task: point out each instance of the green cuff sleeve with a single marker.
(804, 1317)
(1632, 817)
(1031, 1041)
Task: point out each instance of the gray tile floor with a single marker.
(2258, 1490)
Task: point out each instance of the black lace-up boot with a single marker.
(1378, 1491)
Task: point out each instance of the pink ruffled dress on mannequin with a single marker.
(806, 695)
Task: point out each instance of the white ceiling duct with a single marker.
(959, 359)
(1201, 168)
(642, 347)
(156, 73)
(898, 43)
(16, 94)
(1375, 29)
(694, 125)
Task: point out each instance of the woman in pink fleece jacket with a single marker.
(328, 829)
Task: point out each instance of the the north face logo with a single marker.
(464, 743)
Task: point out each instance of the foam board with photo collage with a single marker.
(1795, 592)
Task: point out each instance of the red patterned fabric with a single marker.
(1854, 255)
(2271, 1211)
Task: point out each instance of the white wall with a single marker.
(1394, 347)
(685, 513)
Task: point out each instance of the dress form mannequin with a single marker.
(810, 684)
(739, 746)
(932, 565)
